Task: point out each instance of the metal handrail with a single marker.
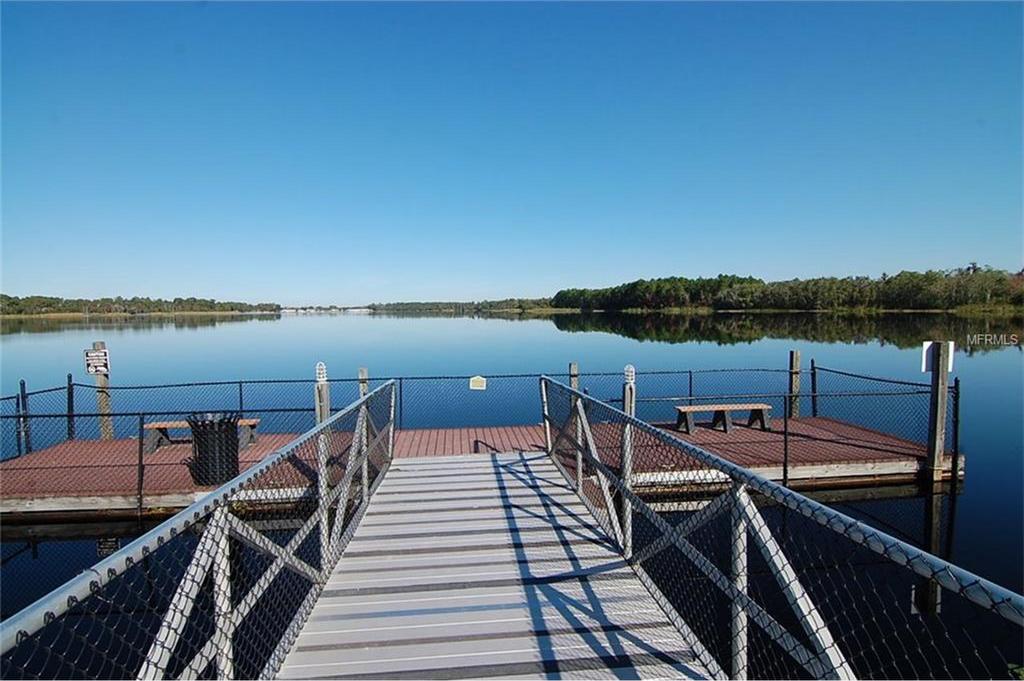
(38, 614)
(977, 589)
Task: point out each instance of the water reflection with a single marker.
(900, 330)
(13, 325)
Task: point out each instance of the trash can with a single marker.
(214, 458)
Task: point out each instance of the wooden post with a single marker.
(574, 383)
(71, 408)
(26, 428)
(814, 388)
(794, 384)
(628, 406)
(938, 404)
(103, 399)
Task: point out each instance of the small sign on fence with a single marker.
(107, 546)
(478, 383)
(926, 357)
(97, 362)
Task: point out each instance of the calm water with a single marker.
(989, 521)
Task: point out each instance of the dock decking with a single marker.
(102, 475)
(484, 566)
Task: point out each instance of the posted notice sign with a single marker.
(97, 362)
(926, 356)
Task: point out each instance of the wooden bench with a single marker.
(758, 413)
(159, 433)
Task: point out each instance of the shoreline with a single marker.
(132, 315)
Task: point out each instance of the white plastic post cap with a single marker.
(321, 372)
(630, 373)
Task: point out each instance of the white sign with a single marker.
(97, 362)
(478, 383)
(926, 357)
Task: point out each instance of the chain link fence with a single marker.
(222, 588)
(768, 583)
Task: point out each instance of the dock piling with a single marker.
(26, 429)
(103, 399)
(937, 407)
(71, 408)
(794, 384)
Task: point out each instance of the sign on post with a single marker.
(478, 383)
(926, 357)
(97, 362)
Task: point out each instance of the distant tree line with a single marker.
(464, 308)
(931, 290)
(119, 305)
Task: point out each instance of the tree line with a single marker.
(931, 290)
(464, 308)
(53, 305)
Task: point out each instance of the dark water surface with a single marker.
(988, 532)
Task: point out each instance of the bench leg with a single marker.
(246, 436)
(684, 422)
(153, 439)
(759, 416)
(724, 418)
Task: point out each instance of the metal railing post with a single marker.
(364, 389)
(690, 401)
(241, 402)
(17, 423)
(322, 395)
(26, 432)
(71, 408)
(574, 383)
(140, 470)
(223, 615)
(785, 447)
(628, 406)
(401, 403)
(391, 426)
(814, 389)
(738, 574)
(545, 416)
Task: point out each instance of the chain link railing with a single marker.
(223, 587)
(767, 583)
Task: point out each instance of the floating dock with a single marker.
(103, 477)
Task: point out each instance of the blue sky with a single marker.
(349, 153)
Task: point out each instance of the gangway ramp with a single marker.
(485, 566)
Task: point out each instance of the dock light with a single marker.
(321, 372)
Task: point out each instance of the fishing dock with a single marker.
(334, 557)
(86, 451)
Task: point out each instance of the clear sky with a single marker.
(350, 153)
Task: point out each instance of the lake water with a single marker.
(989, 520)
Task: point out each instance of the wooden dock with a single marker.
(102, 476)
(484, 566)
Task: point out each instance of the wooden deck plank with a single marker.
(505, 589)
(102, 474)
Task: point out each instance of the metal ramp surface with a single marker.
(484, 566)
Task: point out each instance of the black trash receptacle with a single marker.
(214, 448)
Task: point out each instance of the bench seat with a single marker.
(722, 414)
(158, 433)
